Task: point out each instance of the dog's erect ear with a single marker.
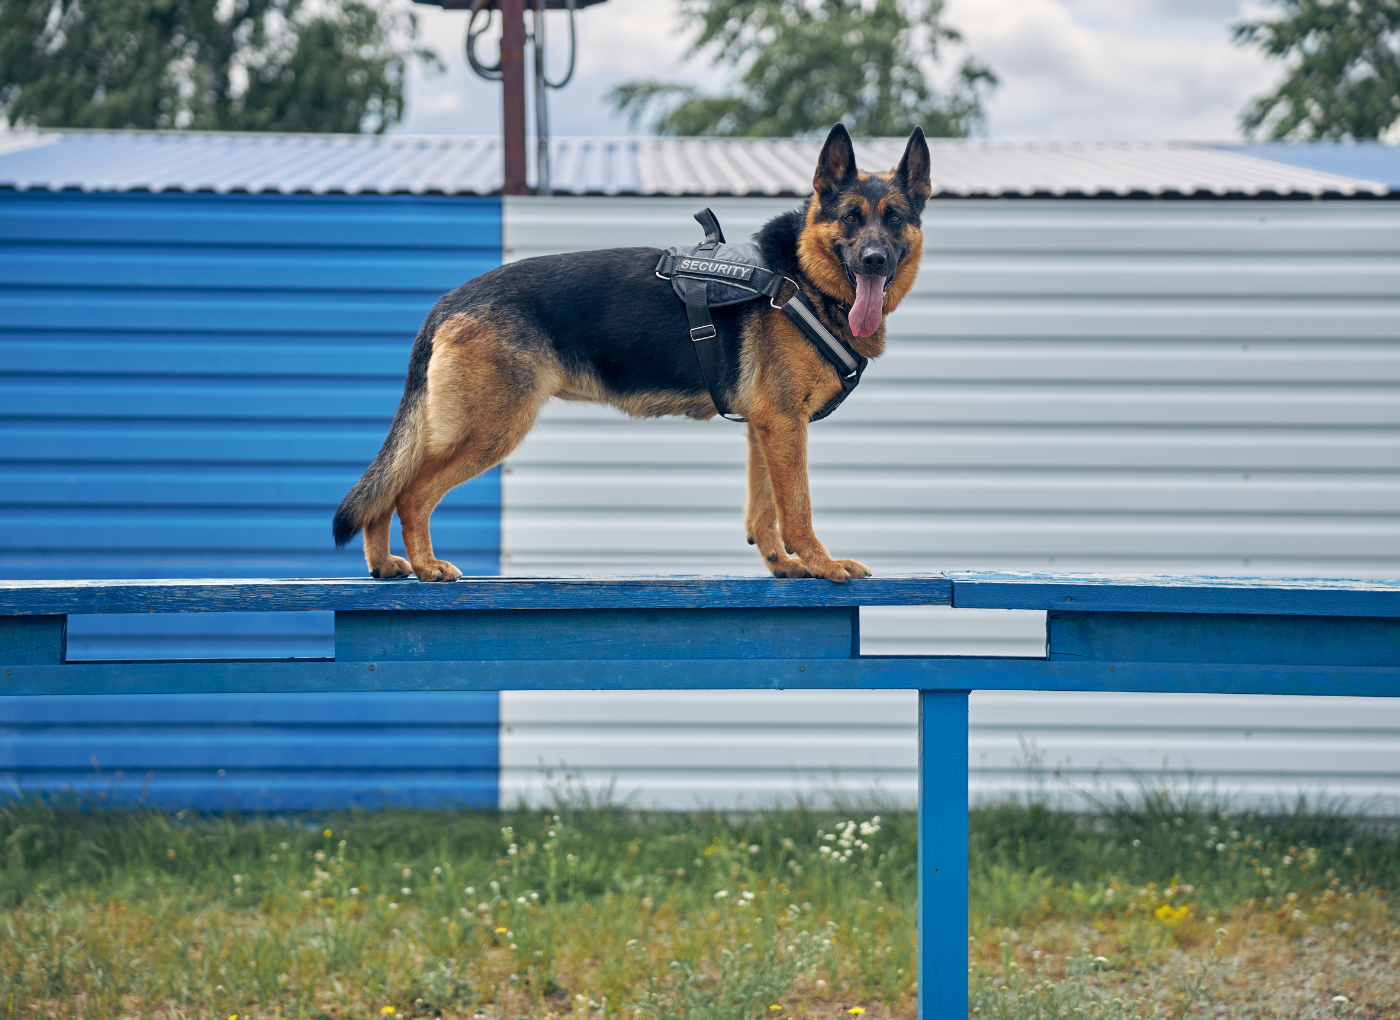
(913, 171)
(836, 165)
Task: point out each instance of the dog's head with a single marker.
(862, 240)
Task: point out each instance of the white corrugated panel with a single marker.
(1128, 386)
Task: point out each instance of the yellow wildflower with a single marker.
(388, 1011)
(855, 1011)
(327, 834)
(500, 931)
(775, 1006)
(1168, 914)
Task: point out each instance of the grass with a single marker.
(597, 912)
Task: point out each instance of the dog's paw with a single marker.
(394, 566)
(437, 570)
(839, 571)
(780, 566)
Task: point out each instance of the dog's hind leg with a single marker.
(761, 516)
(383, 563)
(484, 393)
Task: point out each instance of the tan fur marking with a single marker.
(638, 405)
(817, 256)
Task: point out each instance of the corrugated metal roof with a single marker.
(458, 165)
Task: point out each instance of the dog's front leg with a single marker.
(761, 515)
(783, 443)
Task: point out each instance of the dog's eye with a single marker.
(850, 217)
(893, 218)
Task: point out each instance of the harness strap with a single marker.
(848, 364)
(705, 340)
(701, 266)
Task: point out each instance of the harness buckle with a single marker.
(701, 330)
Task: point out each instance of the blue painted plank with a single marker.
(191, 312)
(201, 636)
(866, 673)
(34, 640)
(140, 747)
(290, 400)
(338, 222)
(308, 710)
(942, 907)
(270, 790)
(264, 267)
(1204, 637)
(1162, 593)
(155, 564)
(276, 751)
(198, 528)
(312, 488)
(120, 441)
(782, 633)
(212, 595)
(253, 357)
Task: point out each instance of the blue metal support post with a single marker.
(942, 916)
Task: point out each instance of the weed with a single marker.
(597, 912)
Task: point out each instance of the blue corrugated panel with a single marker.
(1371, 161)
(255, 752)
(188, 385)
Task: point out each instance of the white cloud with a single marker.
(1070, 69)
(1112, 69)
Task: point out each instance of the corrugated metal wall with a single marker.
(188, 385)
(1113, 385)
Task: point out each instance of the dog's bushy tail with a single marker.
(397, 461)
(388, 474)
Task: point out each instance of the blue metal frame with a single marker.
(1104, 633)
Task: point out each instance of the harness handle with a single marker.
(709, 222)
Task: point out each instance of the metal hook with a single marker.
(489, 72)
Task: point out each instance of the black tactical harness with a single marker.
(714, 274)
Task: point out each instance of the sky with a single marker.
(1070, 70)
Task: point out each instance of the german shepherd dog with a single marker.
(600, 326)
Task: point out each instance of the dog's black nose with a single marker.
(873, 260)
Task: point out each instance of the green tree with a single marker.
(249, 65)
(1344, 69)
(806, 64)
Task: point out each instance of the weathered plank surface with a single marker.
(784, 633)
(1167, 593)
(1224, 637)
(28, 598)
(35, 640)
(874, 673)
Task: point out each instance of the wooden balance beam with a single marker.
(1214, 635)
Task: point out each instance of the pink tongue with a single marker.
(868, 310)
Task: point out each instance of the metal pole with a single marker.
(942, 914)
(513, 80)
